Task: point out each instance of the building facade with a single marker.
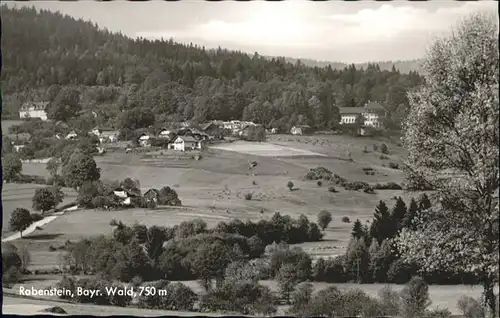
(34, 110)
(373, 115)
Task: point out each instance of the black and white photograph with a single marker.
(250, 158)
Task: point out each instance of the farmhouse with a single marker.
(373, 114)
(18, 148)
(152, 195)
(34, 110)
(72, 135)
(165, 133)
(212, 129)
(184, 143)
(146, 140)
(106, 134)
(109, 136)
(300, 129)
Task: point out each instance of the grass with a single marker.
(20, 196)
(214, 187)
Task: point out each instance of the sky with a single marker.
(337, 31)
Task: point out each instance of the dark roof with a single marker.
(374, 106)
(206, 126)
(351, 110)
(187, 138)
(157, 192)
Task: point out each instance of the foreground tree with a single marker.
(46, 199)
(12, 167)
(20, 220)
(452, 136)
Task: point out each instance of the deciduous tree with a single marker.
(452, 136)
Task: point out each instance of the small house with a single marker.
(300, 129)
(165, 133)
(184, 143)
(109, 136)
(72, 135)
(152, 195)
(146, 140)
(18, 148)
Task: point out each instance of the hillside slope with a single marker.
(48, 56)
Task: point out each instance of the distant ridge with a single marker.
(403, 66)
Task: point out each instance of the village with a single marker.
(187, 136)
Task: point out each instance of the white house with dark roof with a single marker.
(373, 114)
(34, 110)
(184, 143)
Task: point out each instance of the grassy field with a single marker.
(20, 196)
(213, 189)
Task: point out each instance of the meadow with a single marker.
(214, 187)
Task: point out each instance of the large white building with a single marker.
(373, 114)
(34, 110)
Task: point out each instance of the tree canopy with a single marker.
(452, 136)
(128, 82)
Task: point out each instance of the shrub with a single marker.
(414, 298)
(438, 313)
(393, 165)
(388, 186)
(389, 301)
(319, 183)
(365, 150)
(470, 307)
(332, 189)
(113, 222)
(68, 283)
(369, 190)
(254, 182)
(346, 219)
(248, 196)
(319, 173)
(52, 248)
(136, 281)
(382, 157)
(355, 185)
(290, 185)
(384, 149)
(375, 147)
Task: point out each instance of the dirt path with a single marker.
(32, 228)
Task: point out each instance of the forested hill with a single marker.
(48, 56)
(402, 66)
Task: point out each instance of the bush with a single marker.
(248, 196)
(438, 313)
(388, 186)
(369, 190)
(52, 248)
(355, 185)
(290, 185)
(382, 157)
(319, 183)
(319, 173)
(254, 182)
(346, 219)
(332, 189)
(470, 307)
(375, 147)
(393, 165)
(415, 298)
(389, 301)
(384, 149)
